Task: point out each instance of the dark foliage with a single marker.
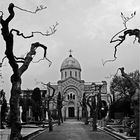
(36, 104)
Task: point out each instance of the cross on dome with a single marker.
(70, 53)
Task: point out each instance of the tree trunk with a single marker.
(137, 113)
(94, 114)
(84, 105)
(78, 114)
(59, 119)
(99, 104)
(113, 94)
(94, 121)
(14, 109)
(86, 116)
(93, 111)
(61, 116)
(50, 119)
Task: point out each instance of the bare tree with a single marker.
(99, 103)
(120, 40)
(49, 98)
(91, 102)
(14, 63)
(84, 108)
(59, 108)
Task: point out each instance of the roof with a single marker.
(70, 63)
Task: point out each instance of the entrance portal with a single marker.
(71, 112)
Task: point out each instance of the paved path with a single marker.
(73, 130)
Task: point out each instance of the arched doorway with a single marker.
(71, 95)
(71, 111)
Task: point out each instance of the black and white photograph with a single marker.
(69, 69)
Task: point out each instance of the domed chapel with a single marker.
(72, 88)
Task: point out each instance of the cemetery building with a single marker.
(72, 87)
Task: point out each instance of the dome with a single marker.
(70, 63)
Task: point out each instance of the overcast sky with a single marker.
(85, 26)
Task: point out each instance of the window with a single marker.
(73, 97)
(65, 74)
(79, 74)
(70, 73)
(75, 73)
(62, 75)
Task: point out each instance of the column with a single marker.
(80, 113)
(75, 112)
(67, 115)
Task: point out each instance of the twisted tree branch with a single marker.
(48, 33)
(121, 39)
(134, 84)
(39, 8)
(29, 56)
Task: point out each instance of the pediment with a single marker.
(71, 82)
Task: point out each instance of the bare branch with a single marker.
(125, 20)
(21, 34)
(39, 8)
(43, 59)
(1, 14)
(3, 59)
(111, 60)
(29, 56)
(19, 59)
(120, 39)
(48, 33)
(45, 51)
(48, 85)
(11, 11)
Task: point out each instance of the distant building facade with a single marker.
(72, 87)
